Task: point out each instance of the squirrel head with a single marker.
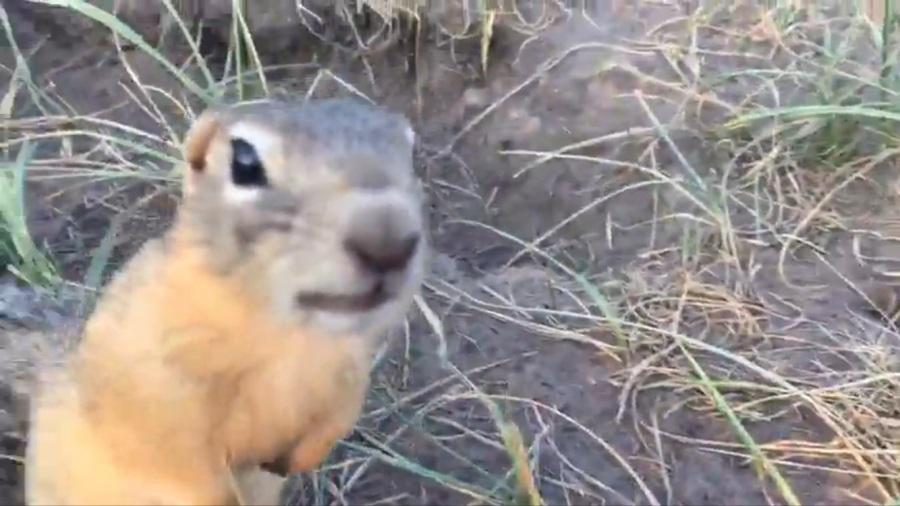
(312, 208)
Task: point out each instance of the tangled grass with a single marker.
(802, 106)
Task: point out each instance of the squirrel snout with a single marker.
(382, 240)
(382, 254)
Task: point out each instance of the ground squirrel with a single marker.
(245, 334)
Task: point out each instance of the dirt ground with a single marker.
(609, 416)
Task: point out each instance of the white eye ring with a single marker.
(239, 194)
(262, 139)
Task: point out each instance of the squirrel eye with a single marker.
(246, 167)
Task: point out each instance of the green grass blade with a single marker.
(810, 111)
(247, 43)
(25, 260)
(126, 32)
(22, 73)
(93, 278)
(745, 438)
(392, 458)
(204, 68)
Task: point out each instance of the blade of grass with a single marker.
(126, 32)
(487, 32)
(746, 439)
(28, 262)
(806, 111)
(237, 49)
(887, 26)
(606, 309)
(8, 102)
(93, 278)
(526, 490)
(390, 457)
(247, 37)
(22, 73)
(201, 61)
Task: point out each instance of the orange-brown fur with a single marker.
(184, 379)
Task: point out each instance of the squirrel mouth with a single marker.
(344, 303)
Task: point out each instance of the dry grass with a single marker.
(789, 164)
(816, 119)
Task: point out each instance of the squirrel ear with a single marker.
(196, 146)
(198, 138)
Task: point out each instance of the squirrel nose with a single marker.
(382, 238)
(382, 254)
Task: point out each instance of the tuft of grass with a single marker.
(18, 252)
(95, 151)
(121, 29)
(526, 490)
(853, 105)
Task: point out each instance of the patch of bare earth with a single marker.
(617, 272)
